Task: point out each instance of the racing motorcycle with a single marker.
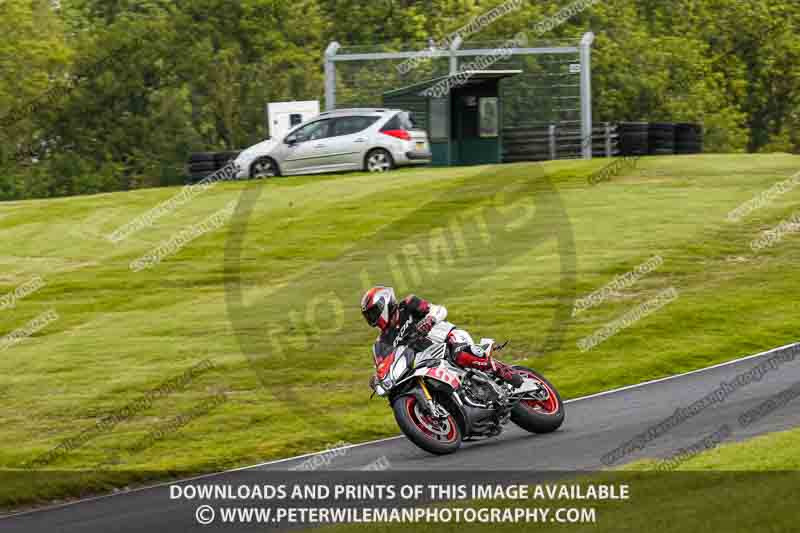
(438, 404)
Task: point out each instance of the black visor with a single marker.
(373, 313)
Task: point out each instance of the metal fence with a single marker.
(554, 87)
(558, 141)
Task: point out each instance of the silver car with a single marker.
(376, 140)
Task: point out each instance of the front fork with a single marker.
(431, 405)
(424, 389)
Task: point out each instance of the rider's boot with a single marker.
(506, 373)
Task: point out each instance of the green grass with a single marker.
(747, 486)
(122, 333)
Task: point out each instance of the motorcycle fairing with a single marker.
(443, 372)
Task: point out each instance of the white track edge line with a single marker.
(706, 369)
(378, 441)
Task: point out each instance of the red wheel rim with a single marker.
(424, 423)
(543, 407)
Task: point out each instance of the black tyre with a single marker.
(688, 138)
(661, 139)
(539, 416)
(436, 437)
(633, 138)
(378, 160)
(264, 167)
(201, 157)
(689, 148)
(223, 158)
(202, 167)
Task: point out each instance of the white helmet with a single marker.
(378, 305)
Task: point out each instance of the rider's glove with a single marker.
(425, 325)
(373, 382)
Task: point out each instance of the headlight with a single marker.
(387, 383)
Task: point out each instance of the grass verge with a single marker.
(121, 334)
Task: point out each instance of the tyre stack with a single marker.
(688, 139)
(661, 138)
(203, 164)
(223, 158)
(634, 138)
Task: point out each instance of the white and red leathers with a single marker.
(395, 319)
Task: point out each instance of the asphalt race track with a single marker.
(594, 426)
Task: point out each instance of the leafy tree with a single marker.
(125, 89)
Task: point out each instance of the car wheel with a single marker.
(263, 167)
(379, 161)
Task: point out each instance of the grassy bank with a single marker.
(121, 334)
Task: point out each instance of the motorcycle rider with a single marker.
(395, 319)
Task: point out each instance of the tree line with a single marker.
(106, 95)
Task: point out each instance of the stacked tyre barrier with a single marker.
(688, 139)
(202, 164)
(659, 138)
(634, 138)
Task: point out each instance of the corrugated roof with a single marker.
(474, 77)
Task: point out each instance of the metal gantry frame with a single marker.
(584, 50)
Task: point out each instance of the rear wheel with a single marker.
(543, 414)
(264, 167)
(440, 435)
(379, 160)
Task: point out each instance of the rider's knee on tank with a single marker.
(459, 336)
(471, 356)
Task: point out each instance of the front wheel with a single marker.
(542, 414)
(439, 435)
(264, 167)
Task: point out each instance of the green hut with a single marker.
(462, 112)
